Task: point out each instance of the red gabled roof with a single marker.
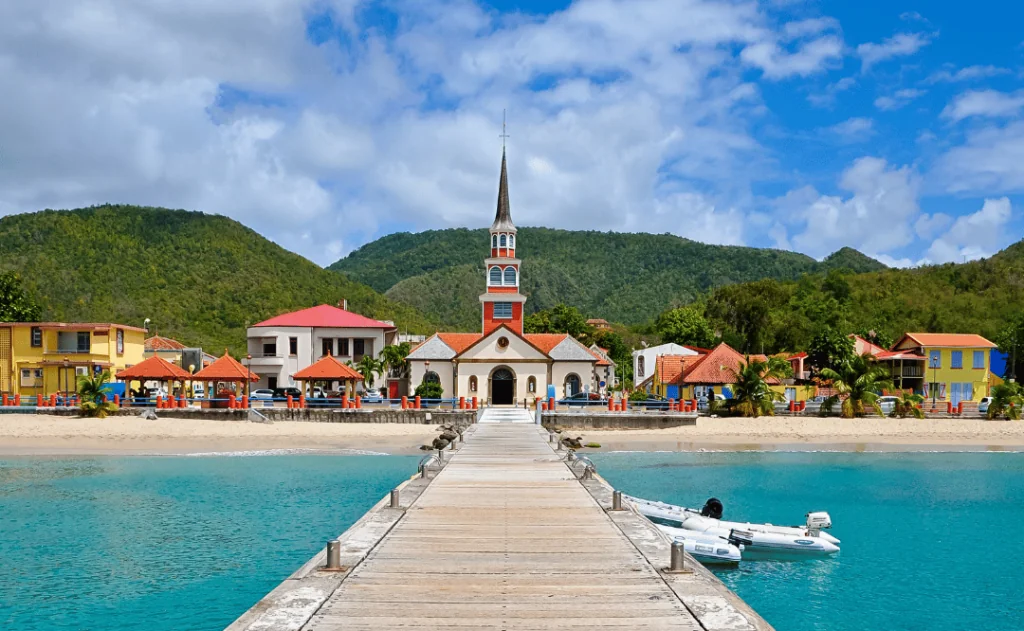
(798, 355)
(156, 368)
(545, 342)
(946, 340)
(459, 341)
(329, 368)
(671, 367)
(77, 326)
(900, 355)
(325, 316)
(226, 368)
(157, 343)
(717, 367)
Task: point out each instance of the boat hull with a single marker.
(709, 550)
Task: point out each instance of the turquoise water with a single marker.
(169, 543)
(929, 541)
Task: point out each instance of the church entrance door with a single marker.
(503, 387)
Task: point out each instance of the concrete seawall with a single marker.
(616, 420)
(364, 415)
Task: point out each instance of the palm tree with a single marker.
(369, 367)
(393, 359)
(907, 405)
(857, 382)
(93, 396)
(1007, 399)
(752, 395)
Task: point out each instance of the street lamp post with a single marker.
(934, 361)
(248, 371)
(66, 384)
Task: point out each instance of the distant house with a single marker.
(285, 344)
(645, 358)
(605, 368)
(798, 363)
(600, 324)
(174, 351)
(664, 380)
(951, 367)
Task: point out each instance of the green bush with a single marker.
(638, 395)
(429, 390)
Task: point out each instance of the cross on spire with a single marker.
(503, 135)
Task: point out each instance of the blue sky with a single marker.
(894, 128)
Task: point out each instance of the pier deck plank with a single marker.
(505, 538)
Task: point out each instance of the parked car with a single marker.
(262, 394)
(284, 393)
(983, 404)
(317, 393)
(652, 402)
(886, 404)
(583, 399)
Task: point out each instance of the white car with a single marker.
(261, 394)
(886, 404)
(983, 404)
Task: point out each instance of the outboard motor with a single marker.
(818, 521)
(740, 538)
(712, 508)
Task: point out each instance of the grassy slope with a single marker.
(200, 278)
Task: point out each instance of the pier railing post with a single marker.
(440, 455)
(395, 498)
(334, 555)
(616, 500)
(678, 554)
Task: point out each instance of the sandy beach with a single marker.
(812, 433)
(31, 434)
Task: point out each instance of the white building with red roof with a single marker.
(502, 365)
(285, 344)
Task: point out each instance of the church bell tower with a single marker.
(502, 302)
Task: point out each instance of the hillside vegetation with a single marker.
(628, 278)
(200, 278)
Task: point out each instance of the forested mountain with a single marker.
(200, 278)
(977, 297)
(627, 278)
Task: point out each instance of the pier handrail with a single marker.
(426, 460)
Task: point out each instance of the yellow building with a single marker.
(951, 367)
(48, 357)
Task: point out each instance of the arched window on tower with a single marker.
(512, 241)
(495, 278)
(502, 240)
(510, 276)
(494, 240)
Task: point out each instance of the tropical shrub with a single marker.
(93, 397)
(1007, 399)
(429, 390)
(907, 405)
(638, 395)
(752, 394)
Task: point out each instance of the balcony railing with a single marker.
(68, 350)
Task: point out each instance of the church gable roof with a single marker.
(432, 348)
(570, 349)
(519, 347)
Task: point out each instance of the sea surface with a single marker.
(162, 543)
(930, 541)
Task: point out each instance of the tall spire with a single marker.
(503, 218)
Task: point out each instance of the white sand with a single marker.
(43, 434)
(818, 433)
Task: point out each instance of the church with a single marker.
(502, 365)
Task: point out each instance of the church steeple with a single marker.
(502, 302)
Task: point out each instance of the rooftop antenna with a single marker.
(503, 135)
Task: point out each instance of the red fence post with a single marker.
(289, 402)
(405, 402)
(117, 400)
(5, 400)
(462, 403)
(359, 402)
(17, 400)
(302, 401)
(475, 403)
(416, 401)
(949, 407)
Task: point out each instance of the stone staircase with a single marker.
(506, 415)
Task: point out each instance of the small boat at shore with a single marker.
(756, 539)
(708, 549)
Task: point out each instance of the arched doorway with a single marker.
(503, 386)
(572, 385)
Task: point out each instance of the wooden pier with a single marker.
(504, 537)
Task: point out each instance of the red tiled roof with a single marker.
(900, 355)
(869, 347)
(157, 343)
(156, 368)
(545, 342)
(954, 340)
(670, 367)
(325, 316)
(717, 367)
(77, 326)
(459, 341)
(798, 355)
(328, 369)
(226, 368)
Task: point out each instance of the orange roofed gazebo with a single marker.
(154, 369)
(329, 369)
(226, 369)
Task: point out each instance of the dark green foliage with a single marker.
(628, 278)
(829, 348)
(638, 395)
(559, 319)
(200, 278)
(15, 304)
(686, 326)
(1007, 400)
(1010, 339)
(429, 390)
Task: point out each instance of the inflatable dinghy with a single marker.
(708, 549)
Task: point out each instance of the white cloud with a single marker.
(898, 99)
(970, 73)
(810, 58)
(827, 97)
(990, 161)
(928, 226)
(808, 27)
(856, 129)
(892, 261)
(877, 217)
(899, 45)
(988, 103)
(973, 236)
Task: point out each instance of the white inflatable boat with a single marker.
(757, 538)
(708, 549)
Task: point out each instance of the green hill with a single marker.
(626, 278)
(200, 278)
